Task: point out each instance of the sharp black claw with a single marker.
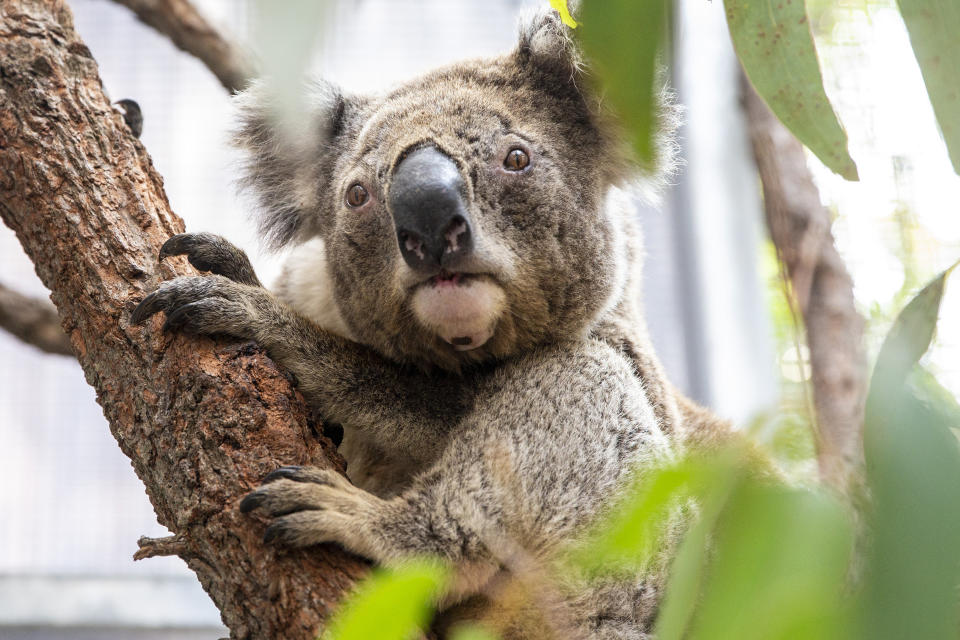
(175, 246)
(147, 307)
(251, 502)
(273, 532)
(283, 472)
(178, 318)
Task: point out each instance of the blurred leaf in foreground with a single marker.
(933, 26)
(773, 41)
(472, 632)
(685, 582)
(285, 35)
(778, 567)
(925, 387)
(627, 538)
(392, 604)
(762, 561)
(622, 39)
(913, 470)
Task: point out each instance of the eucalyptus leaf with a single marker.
(622, 39)
(392, 604)
(285, 35)
(933, 26)
(773, 41)
(685, 583)
(913, 471)
(778, 567)
(472, 632)
(909, 339)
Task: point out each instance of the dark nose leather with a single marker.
(426, 199)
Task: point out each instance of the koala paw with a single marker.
(311, 506)
(213, 253)
(202, 305)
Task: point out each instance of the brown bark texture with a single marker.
(33, 321)
(201, 420)
(180, 21)
(799, 226)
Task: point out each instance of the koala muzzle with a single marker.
(426, 199)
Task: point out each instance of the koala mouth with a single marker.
(447, 279)
(461, 308)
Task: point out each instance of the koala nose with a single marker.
(429, 212)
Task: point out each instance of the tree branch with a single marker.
(189, 30)
(202, 421)
(799, 226)
(33, 321)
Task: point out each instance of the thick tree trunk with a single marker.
(202, 421)
(799, 226)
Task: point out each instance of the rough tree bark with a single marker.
(202, 421)
(799, 226)
(189, 30)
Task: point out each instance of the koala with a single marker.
(463, 299)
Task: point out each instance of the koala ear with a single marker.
(548, 45)
(289, 165)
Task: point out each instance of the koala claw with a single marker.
(312, 506)
(210, 252)
(251, 501)
(201, 305)
(306, 474)
(274, 531)
(290, 472)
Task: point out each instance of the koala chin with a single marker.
(463, 310)
(462, 296)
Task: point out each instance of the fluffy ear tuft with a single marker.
(288, 162)
(548, 43)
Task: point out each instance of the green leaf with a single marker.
(779, 567)
(908, 340)
(627, 538)
(913, 572)
(622, 38)
(651, 506)
(925, 387)
(391, 604)
(472, 632)
(685, 582)
(933, 26)
(564, 11)
(773, 41)
(913, 471)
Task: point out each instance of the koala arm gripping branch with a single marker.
(344, 380)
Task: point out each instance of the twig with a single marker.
(174, 545)
(189, 31)
(799, 226)
(33, 321)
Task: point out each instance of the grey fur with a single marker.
(469, 455)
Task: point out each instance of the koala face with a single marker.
(463, 213)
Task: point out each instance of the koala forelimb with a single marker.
(343, 380)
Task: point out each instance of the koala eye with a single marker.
(516, 160)
(357, 195)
